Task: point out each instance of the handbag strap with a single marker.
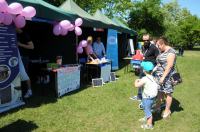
(176, 67)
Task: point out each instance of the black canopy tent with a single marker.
(41, 31)
(47, 45)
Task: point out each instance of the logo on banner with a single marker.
(112, 40)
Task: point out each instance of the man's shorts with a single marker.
(24, 76)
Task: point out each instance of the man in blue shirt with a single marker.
(99, 48)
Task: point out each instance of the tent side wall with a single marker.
(122, 44)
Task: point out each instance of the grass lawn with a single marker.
(109, 108)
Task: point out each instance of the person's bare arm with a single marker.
(90, 57)
(29, 45)
(95, 55)
(139, 83)
(170, 62)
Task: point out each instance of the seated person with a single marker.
(138, 55)
(137, 59)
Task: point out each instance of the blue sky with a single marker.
(192, 5)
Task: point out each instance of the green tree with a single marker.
(190, 31)
(110, 8)
(88, 5)
(147, 16)
(181, 27)
(172, 15)
(118, 8)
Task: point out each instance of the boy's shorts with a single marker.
(147, 105)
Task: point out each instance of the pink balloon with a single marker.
(65, 24)
(13, 17)
(7, 19)
(78, 22)
(78, 31)
(64, 32)
(79, 50)
(3, 6)
(71, 27)
(15, 8)
(1, 17)
(28, 12)
(20, 21)
(83, 43)
(57, 30)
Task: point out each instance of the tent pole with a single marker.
(76, 49)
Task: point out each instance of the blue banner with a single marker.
(9, 66)
(112, 48)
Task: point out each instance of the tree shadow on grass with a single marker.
(20, 126)
(175, 107)
(41, 96)
(47, 94)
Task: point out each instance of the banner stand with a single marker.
(112, 48)
(11, 106)
(10, 82)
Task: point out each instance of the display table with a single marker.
(98, 70)
(66, 79)
(127, 62)
(61, 80)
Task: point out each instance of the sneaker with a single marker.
(142, 120)
(166, 115)
(28, 94)
(135, 98)
(140, 106)
(146, 126)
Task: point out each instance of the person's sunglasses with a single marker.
(145, 40)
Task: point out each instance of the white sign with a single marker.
(131, 46)
(105, 72)
(68, 79)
